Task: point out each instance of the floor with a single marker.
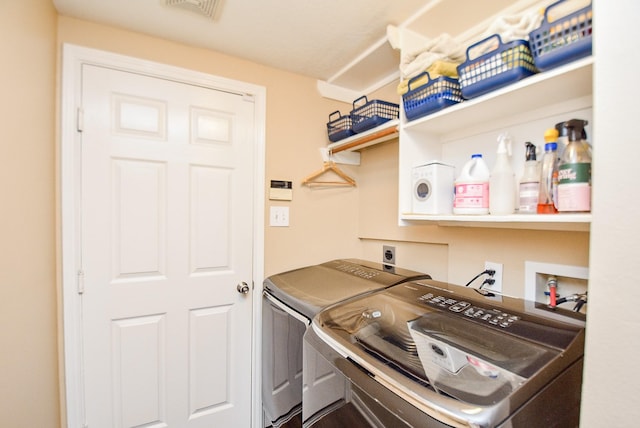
(347, 416)
(295, 422)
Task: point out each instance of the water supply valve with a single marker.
(552, 284)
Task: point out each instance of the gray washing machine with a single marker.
(435, 355)
(290, 301)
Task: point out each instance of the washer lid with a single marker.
(474, 351)
(310, 289)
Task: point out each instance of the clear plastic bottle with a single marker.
(529, 188)
(472, 188)
(574, 171)
(549, 174)
(502, 182)
(563, 138)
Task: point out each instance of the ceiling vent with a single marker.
(203, 7)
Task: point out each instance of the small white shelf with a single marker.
(385, 132)
(566, 222)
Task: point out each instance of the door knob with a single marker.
(243, 288)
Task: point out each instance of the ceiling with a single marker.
(316, 38)
(341, 43)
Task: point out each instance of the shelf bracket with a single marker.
(345, 158)
(335, 92)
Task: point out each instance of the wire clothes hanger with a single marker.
(329, 166)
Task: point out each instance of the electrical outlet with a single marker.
(389, 254)
(497, 277)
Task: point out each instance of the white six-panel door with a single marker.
(166, 237)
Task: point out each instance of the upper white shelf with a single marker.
(537, 92)
(526, 96)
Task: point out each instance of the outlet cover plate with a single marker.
(389, 254)
(497, 277)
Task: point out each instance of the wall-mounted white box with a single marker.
(281, 190)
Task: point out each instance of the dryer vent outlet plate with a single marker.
(389, 254)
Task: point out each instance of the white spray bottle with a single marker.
(529, 182)
(502, 182)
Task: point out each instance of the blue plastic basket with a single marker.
(501, 65)
(372, 113)
(564, 40)
(339, 127)
(434, 95)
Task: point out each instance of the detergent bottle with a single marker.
(574, 171)
(502, 181)
(547, 195)
(472, 188)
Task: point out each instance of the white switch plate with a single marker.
(279, 216)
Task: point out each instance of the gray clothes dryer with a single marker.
(290, 301)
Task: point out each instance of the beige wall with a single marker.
(610, 387)
(28, 356)
(325, 223)
(296, 118)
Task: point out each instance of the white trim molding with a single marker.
(73, 58)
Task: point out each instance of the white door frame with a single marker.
(73, 57)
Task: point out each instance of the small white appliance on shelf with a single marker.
(433, 188)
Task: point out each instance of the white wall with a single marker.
(610, 388)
